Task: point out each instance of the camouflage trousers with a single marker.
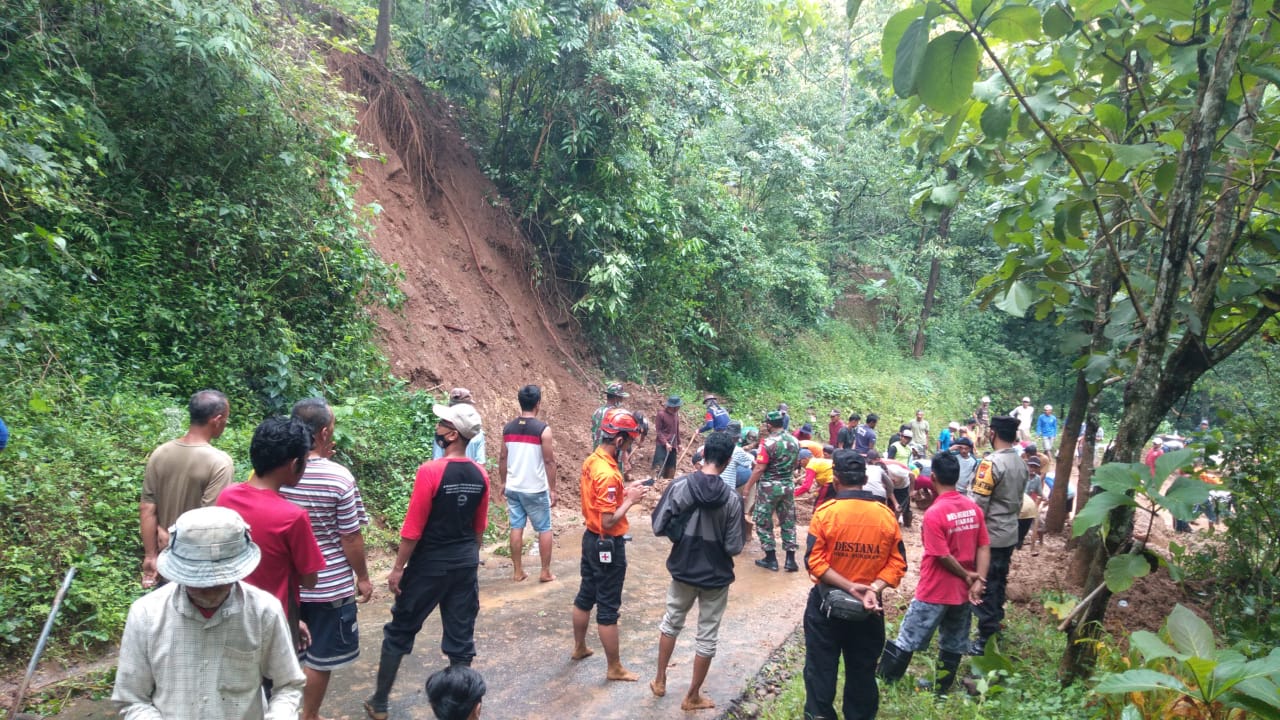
(775, 498)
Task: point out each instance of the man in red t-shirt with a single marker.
(291, 557)
(952, 576)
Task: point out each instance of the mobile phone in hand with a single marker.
(649, 481)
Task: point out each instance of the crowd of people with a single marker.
(254, 586)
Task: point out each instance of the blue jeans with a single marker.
(924, 618)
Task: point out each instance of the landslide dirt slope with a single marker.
(472, 316)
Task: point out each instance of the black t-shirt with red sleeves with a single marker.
(448, 509)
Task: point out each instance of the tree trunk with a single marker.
(1157, 382)
(1080, 400)
(1088, 451)
(935, 267)
(382, 36)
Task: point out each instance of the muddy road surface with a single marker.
(524, 638)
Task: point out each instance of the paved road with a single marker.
(524, 638)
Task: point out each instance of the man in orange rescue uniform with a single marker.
(854, 546)
(605, 502)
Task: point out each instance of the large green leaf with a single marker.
(1179, 11)
(1132, 156)
(1123, 570)
(909, 57)
(1097, 368)
(892, 37)
(1110, 117)
(995, 119)
(1020, 297)
(1014, 23)
(1259, 694)
(1057, 21)
(1120, 477)
(851, 8)
(1171, 462)
(1190, 634)
(1095, 511)
(1183, 495)
(945, 195)
(1151, 646)
(973, 9)
(949, 70)
(1141, 680)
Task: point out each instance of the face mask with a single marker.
(441, 440)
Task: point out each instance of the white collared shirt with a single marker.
(175, 663)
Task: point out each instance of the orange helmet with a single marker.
(618, 421)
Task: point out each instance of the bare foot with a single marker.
(697, 702)
(518, 576)
(546, 576)
(582, 652)
(659, 687)
(621, 673)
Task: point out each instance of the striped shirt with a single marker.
(328, 492)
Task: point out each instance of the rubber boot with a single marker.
(791, 565)
(948, 666)
(893, 662)
(770, 561)
(377, 706)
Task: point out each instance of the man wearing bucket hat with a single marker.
(201, 645)
(613, 397)
(717, 418)
(667, 438)
(439, 554)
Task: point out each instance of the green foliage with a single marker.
(176, 193)
(1030, 689)
(1241, 569)
(69, 486)
(382, 439)
(1189, 677)
(178, 213)
(71, 477)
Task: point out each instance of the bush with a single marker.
(71, 477)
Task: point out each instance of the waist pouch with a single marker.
(840, 605)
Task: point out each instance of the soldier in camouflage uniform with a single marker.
(775, 463)
(613, 397)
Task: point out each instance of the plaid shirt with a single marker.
(174, 663)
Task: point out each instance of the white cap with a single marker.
(907, 434)
(1026, 399)
(463, 417)
(986, 399)
(954, 425)
(1048, 408)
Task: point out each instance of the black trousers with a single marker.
(991, 612)
(456, 593)
(825, 642)
(903, 496)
